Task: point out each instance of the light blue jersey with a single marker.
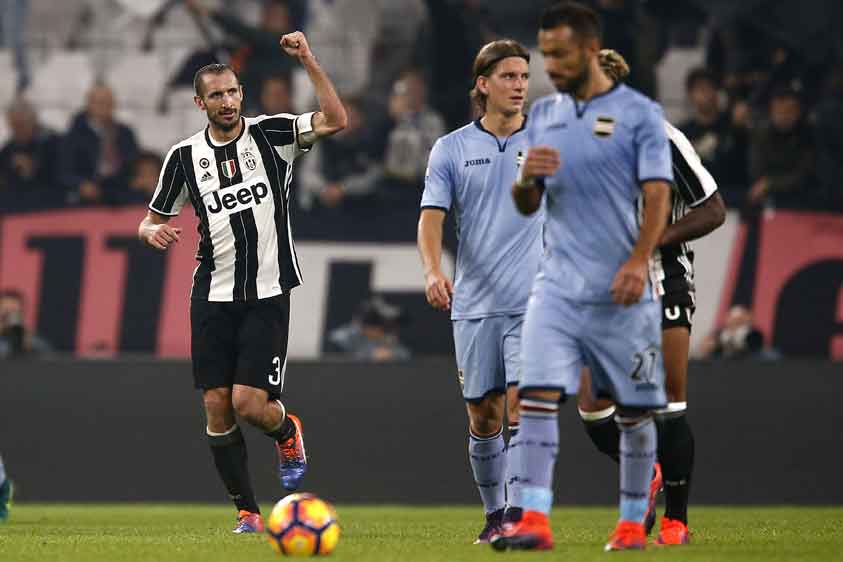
(608, 146)
(471, 171)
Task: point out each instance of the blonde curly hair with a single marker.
(613, 64)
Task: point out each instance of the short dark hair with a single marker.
(698, 75)
(582, 19)
(214, 68)
(487, 60)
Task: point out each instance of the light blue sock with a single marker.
(488, 462)
(2, 472)
(638, 454)
(533, 454)
(513, 497)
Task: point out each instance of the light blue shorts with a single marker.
(621, 346)
(488, 354)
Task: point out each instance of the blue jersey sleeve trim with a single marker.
(423, 207)
(657, 178)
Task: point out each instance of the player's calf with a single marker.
(637, 460)
(487, 457)
(676, 454)
(602, 430)
(533, 456)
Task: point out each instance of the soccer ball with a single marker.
(303, 525)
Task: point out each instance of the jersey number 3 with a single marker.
(278, 376)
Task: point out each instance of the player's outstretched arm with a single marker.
(696, 224)
(541, 162)
(629, 282)
(331, 117)
(155, 232)
(437, 287)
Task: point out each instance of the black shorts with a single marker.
(240, 343)
(678, 310)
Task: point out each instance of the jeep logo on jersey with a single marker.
(238, 197)
(229, 168)
(477, 162)
(249, 159)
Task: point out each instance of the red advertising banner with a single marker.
(798, 299)
(91, 288)
(31, 243)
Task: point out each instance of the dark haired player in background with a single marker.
(600, 159)
(697, 210)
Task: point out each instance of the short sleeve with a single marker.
(438, 180)
(171, 191)
(693, 182)
(286, 133)
(304, 131)
(652, 147)
(278, 129)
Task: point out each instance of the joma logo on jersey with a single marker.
(477, 162)
(237, 197)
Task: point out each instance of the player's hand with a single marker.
(295, 44)
(541, 161)
(160, 236)
(438, 290)
(630, 280)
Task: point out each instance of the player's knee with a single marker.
(249, 407)
(217, 401)
(484, 421)
(484, 427)
(486, 415)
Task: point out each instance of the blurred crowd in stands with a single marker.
(764, 117)
(763, 106)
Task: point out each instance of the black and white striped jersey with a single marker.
(672, 267)
(240, 192)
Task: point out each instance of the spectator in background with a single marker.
(97, 152)
(372, 334)
(344, 170)
(782, 156)
(416, 127)
(738, 338)
(15, 339)
(28, 162)
(829, 133)
(255, 56)
(719, 138)
(143, 180)
(275, 96)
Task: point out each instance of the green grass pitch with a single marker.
(188, 533)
